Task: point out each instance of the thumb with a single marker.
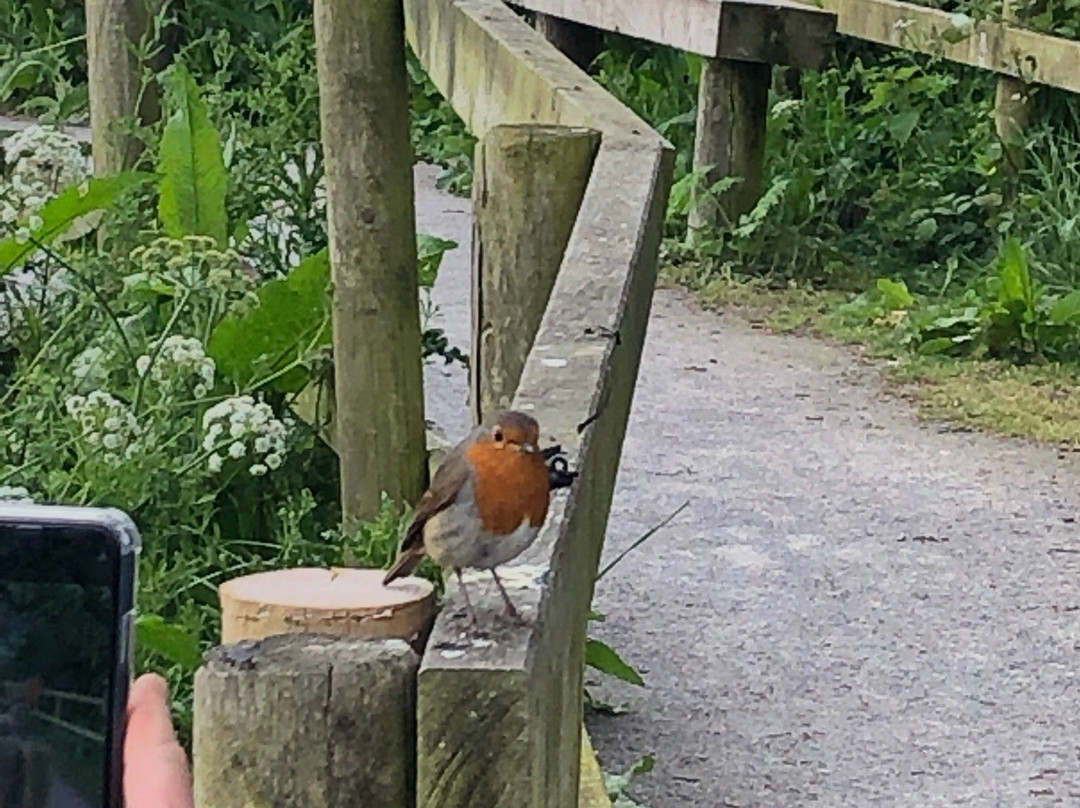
(155, 766)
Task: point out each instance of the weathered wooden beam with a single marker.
(1035, 57)
(1012, 111)
(499, 719)
(581, 43)
(523, 693)
(306, 721)
(733, 106)
(528, 182)
(774, 31)
(477, 63)
(115, 29)
(378, 377)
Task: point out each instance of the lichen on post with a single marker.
(306, 721)
(378, 378)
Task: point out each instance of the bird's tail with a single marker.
(406, 563)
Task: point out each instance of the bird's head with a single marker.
(514, 430)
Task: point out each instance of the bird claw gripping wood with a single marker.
(559, 473)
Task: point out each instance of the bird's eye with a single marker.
(498, 435)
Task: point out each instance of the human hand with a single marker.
(155, 767)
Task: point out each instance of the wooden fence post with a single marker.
(306, 721)
(733, 96)
(1012, 109)
(528, 184)
(378, 377)
(733, 106)
(113, 30)
(581, 43)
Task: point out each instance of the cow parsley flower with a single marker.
(107, 425)
(181, 361)
(243, 430)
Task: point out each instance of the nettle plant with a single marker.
(156, 373)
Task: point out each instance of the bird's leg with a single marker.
(510, 610)
(465, 594)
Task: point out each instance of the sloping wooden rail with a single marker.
(499, 721)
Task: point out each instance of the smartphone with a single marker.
(67, 592)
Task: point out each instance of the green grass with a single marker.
(1037, 401)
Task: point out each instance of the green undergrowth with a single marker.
(1038, 399)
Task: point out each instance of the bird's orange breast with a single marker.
(510, 486)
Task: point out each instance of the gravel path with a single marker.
(854, 610)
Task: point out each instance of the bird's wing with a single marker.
(449, 479)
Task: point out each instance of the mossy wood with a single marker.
(1012, 111)
(528, 183)
(499, 721)
(306, 721)
(773, 31)
(378, 379)
(733, 105)
(1037, 58)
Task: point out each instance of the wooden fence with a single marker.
(571, 191)
(742, 39)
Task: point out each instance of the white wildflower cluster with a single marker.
(181, 360)
(242, 429)
(194, 262)
(15, 493)
(42, 161)
(23, 293)
(277, 226)
(108, 426)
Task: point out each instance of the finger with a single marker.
(155, 766)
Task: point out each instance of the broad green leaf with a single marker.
(61, 213)
(1067, 309)
(895, 294)
(602, 657)
(926, 229)
(429, 254)
(174, 642)
(902, 124)
(1016, 276)
(293, 316)
(191, 164)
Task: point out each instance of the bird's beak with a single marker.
(528, 448)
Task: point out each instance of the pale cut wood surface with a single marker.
(527, 188)
(346, 602)
(378, 377)
(306, 721)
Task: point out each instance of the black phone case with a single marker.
(120, 528)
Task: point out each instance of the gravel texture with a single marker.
(854, 610)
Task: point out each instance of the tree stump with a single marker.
(306, 721)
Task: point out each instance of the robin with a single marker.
(486, 503)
